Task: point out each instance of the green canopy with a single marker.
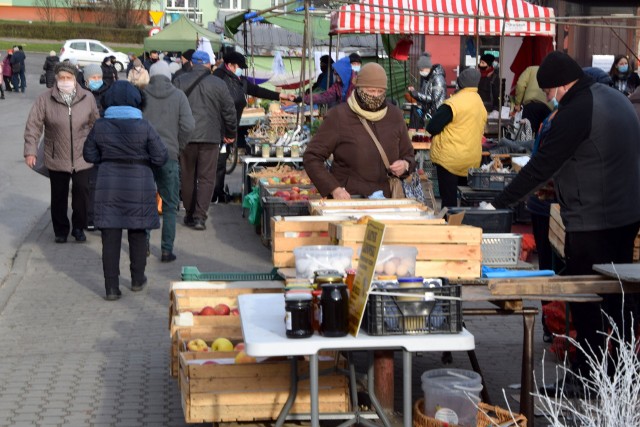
(181, 35)
(291, 21)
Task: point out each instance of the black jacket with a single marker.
(49, 69)
(489, 91)
(592, 152)
(109, 73)
(17, 61)
(211, 105)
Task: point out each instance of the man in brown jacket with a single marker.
(67, 112)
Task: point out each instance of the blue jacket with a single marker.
(125, 194)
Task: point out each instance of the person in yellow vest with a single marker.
(456, 129)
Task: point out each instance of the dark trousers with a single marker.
(221, 172)
(19, 81)
(60, 200)
(540, 228)
(7, 83)
(111, 242)
(448, 184)
(582, 250)
(198, 178)
(93, 176)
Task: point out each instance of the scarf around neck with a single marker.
(486, 72)
(122, 112)
(372, 116)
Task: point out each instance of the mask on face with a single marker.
(371, 102)
(425, 73)
(95, 84)
(482, 67)
(623, 68)
(66, 86)
(554, 101)
(238, 72)
(154, 60)
(356, 68)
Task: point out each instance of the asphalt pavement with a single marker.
(69, 358)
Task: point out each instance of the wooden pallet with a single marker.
(443, 250)
(253, 391)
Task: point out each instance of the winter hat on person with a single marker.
(424, 61)
(187, 54)
(66, 67)
(354, 57)
(469, 78)
(137, 63)
(488, 58)
(52, 53)
(122, 93)
(235, 58)
(372, 75)
(558, 69)
(91, 70)
(160, 68)
(200, 57)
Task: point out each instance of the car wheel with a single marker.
(119, 66)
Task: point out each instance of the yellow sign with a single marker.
(364, 275)
(156, 16)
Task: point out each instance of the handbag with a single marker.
(39, 167)
(412, 187)
(43, 79)
(397, 192)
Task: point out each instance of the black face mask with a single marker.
(482, 67)
(154, 60)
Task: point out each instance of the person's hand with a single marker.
(340, 194)
(30, 161)
(517, 108)
(228, 140)
(411, 88)
(287, 96)
(399, 167)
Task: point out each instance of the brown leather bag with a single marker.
(397, 192)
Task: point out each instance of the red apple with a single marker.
(295, 180)
(239, 347)
(208, 311)
(235, 312)
(296, 189)
(222, 310)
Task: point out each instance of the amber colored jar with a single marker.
(351, 277)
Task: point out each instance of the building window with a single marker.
(233, 4)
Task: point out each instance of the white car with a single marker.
(91, 52)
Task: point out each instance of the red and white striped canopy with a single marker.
(444, 17)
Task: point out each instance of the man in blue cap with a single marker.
(215, 116)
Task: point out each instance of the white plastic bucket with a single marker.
(452, 395)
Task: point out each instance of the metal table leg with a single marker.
(526, 386)
(293, 391)
(313, 390)
(406, 388)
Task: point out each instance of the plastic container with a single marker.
(452, 395)
(497, 181)
(491, 221)
(321, 257)
(397, 261)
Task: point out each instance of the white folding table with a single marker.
(263, 328)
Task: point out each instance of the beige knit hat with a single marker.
(372, 75)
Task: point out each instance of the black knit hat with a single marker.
(187, 54)
(558, 69)
(354, 57)
(488, 58)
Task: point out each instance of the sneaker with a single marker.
(167, 257)
(199, 224)
(78, 234)
(138, 286)
(189, 222)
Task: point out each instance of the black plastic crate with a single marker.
(491, 221)
(390, 315)
(479, 180)
(273, 206)
(472, 198)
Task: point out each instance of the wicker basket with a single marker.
(495, 416)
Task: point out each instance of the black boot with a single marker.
(112, 286)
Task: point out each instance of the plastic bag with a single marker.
(252, 202)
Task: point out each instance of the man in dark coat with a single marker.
(185, 59)
(592, 152)
(154, 56)
(126, 147)
(216, 122)
(49, 68)
(109, 72)
(17, 66)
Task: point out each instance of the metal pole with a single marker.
(307, 14)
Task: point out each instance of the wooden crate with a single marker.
(392, 206)
(556, 234)
(253, 391)
(443, 250)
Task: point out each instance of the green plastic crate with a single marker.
(192, 274)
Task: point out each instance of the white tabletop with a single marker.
(262, 317)
(247, 159)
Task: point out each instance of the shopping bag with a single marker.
(251, 202)
(413, 188)
(43, 79)
(39, 166)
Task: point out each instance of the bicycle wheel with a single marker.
(232, 157)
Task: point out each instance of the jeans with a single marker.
(19, 81)
(60, 200)
(168, 183)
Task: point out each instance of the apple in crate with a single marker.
(197, 345)
(243, 357)
(222, 310)
(239, 347)
(235, 311)
(207, 311)
(222, 344)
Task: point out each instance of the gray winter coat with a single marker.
(167, 109)
(65, 129)
(211, 105)
(433, 90)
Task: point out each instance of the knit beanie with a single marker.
(137, 63)
(424, 61)
(469, 78)
(160, 68)
(558, 69)
(67, 67)
(354, 57)
(372, 75)
(52, 53)
(91, 70)
(122, 93)
(488, 58)
(187, 54)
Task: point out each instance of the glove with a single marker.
(486, 206)
(298, 99)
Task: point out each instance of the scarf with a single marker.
(372, 116)
(122, 112)
(68, 97)
(486, 72)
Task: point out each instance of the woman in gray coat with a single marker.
(126, 147)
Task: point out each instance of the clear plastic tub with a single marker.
(399, 261)
(452, 395)
(321, 257)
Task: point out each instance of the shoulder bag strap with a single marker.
(198, 80)
(385, 159)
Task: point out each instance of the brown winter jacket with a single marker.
(65, 129)
(357, 165)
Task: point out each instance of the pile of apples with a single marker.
(292, 179)
(218, 310)
(296, 193)
(221, 344)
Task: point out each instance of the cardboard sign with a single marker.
(364, 275)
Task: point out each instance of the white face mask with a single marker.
(66, 86)
(425, 73)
